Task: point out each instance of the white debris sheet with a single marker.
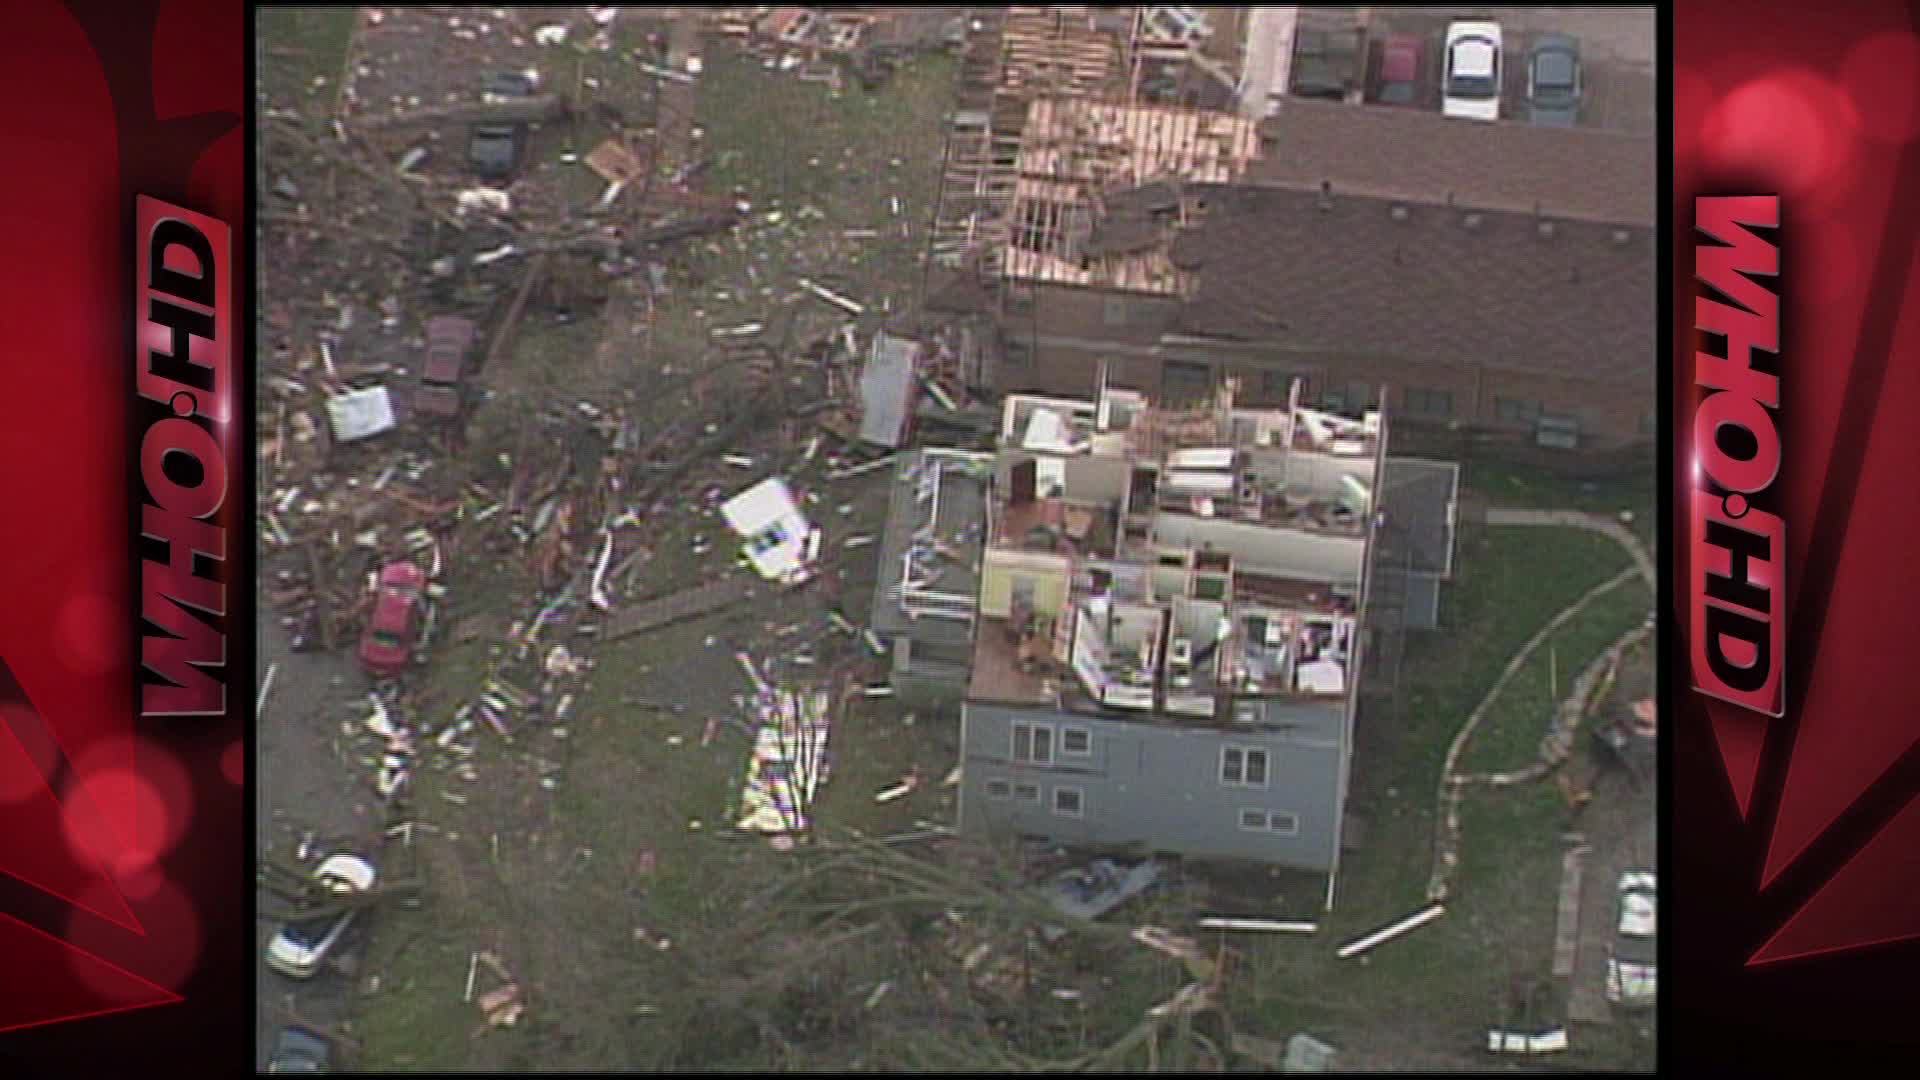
(780, 543)
(789, 761)
(360, 414)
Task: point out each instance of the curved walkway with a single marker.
(1447, 817)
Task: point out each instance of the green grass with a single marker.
(1443, 983)
(1508, 736)
(303, 55)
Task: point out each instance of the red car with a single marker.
(1399, 70)
(387, 645)
(449, 340)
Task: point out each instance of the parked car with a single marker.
(1632, 957)
(386, 646)
(449, 341)
(1399, 82)
(1554, 81)
(1471, 73)
(1328, 63)
(300, 946)
(300, 1050)
(494, 149)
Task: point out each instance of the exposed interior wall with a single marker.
(1049, 576)
(1097, 481)
(1264, 549)
(1312, 474)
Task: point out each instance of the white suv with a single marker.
(1471, 71)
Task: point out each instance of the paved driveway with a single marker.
(304, 786)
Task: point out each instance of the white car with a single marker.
(1471, 71)
(1632, 957)
(302, 945)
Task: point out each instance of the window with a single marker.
(1354, 397)
(1209, 587)
(998, 789)
(1282, 822)
(1069, 801)
(1185, 384)
(1429, 402)
(1027, 792)
(1278, 384)
(1033, 743)
(1243, 766)
(1516, 411)
(1115, 311)
(1076, 740)
(1559, 432)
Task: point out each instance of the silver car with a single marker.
(1632, 959)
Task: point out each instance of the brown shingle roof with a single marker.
(1422, 156)
(1348, 275)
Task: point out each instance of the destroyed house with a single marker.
(926, 597)
(1169, 628)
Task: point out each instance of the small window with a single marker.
(1246, 712)
(1352, 398)
(1069, 801)
(1557, 432)
(1027, 792)
(1243, 766)
(1515, 410)
(1076, 740)
(998, 789)
(1278, 384)
(1116, 311)
(1033, 743)
(1428, 402)
(1254, 820)
(1185, 384)
(1210, 588)
(1283, 822)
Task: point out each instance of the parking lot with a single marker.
(1617, 48)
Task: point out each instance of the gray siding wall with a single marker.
(1156, 785)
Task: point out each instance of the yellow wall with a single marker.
(1051, 576)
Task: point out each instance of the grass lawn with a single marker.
(1427, 998)
(303, 56)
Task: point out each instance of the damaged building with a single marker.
(1497, 278)
(1155, 620)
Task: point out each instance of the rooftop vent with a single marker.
(1546, 229)
(1399, 213)
(1472, 221)
(1620, 237)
